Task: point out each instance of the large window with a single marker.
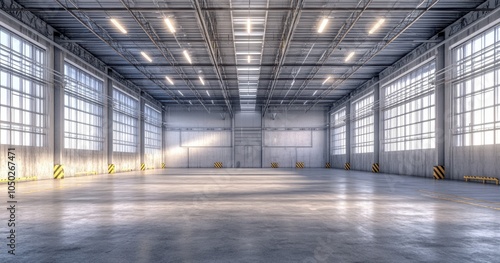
(152, 129)
(476, 90)
(23, 104)
(339, 132)
(83, 110)
(125, 122)
(363, 124)
(409, 111)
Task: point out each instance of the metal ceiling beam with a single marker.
(270, 9)
(342, 33)
(261, 79)
(291, 22)
(153, 36)
(400, 28)
(262, 65)
(99, 32)
(209, 30)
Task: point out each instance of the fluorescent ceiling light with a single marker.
(202, 81)
(186, 54)
(207, 93)
(322, 25)
(326, 80)
(146, 56)
(247, 53)
(180, 93)
(170, 25)
(190, 103)
(117, 24)
(305, 102)
(376, 26)
(349, 56)
(249, 26)
(169, 80)
(248, 58)
(248, 68)
(248, 95)
(212, 101)
(316, 91)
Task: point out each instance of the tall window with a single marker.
(409, 111)
(363, 124)
(125, 122)
(339, 132)
(476, 90)
(152, 129)
(23, 97)
(83, 110)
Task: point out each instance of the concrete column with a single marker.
(376, 123)
(232, 142)
(163, 135)
(109, 118)
(328, 136)
(58, 118)
(142, 103)
(440, 105)
(348, 131)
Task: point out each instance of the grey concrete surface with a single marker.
(253, 215)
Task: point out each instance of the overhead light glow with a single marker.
(305, 102)
(186, 54)
(146, 56)
(169, 80)
(207, 93)
(316, 91)
(376, 26)
(170, 25)
(180, 93)
(349, 57)
(248, 58)
(249, 26)
(190, 103)
(322, 25)
(327, 79)
(117, 24)
(202, 81)
(212, 101)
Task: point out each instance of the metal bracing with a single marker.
(153, 36)
(208, 28)
(345, 29)
(102, 34)
(400, 28)
(291, 22)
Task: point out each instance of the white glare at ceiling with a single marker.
(322, 25)
(118, 25)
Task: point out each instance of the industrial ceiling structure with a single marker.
(248, 54)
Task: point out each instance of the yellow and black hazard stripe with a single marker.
(218, 165)
(375, 168)
(275, 165)
(347, 166)
(111, 168)
(438, 172)
(327, 165)
(299, 165)
(163, 165)
(143, 167)
(58, 171)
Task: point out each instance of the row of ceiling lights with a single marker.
(171, 27)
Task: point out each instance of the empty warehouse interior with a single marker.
(250, 131)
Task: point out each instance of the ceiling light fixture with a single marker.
(349, 56)
(190, 103)
(186, 54)
(213, 102)
(117, 24)
(326, 80)
(146, 56)
(316, 91)
(376, 26)
(170, 25)
(323, 25)
(180, 93)
(202, 81)
(248, 58)
(249, 26)
(207, 93)
(305, 102)
(169, 80)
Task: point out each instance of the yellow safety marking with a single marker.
(163, 165)
(481, 178)
(111, 168)
(347, 166)
(438, 172)
(143, 167)
(375, 168)
(452, 198)
(58, 171)
(328, 165)
(275, 165)
(218, 165)
(299, 165)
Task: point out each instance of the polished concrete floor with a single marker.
(253, 215)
